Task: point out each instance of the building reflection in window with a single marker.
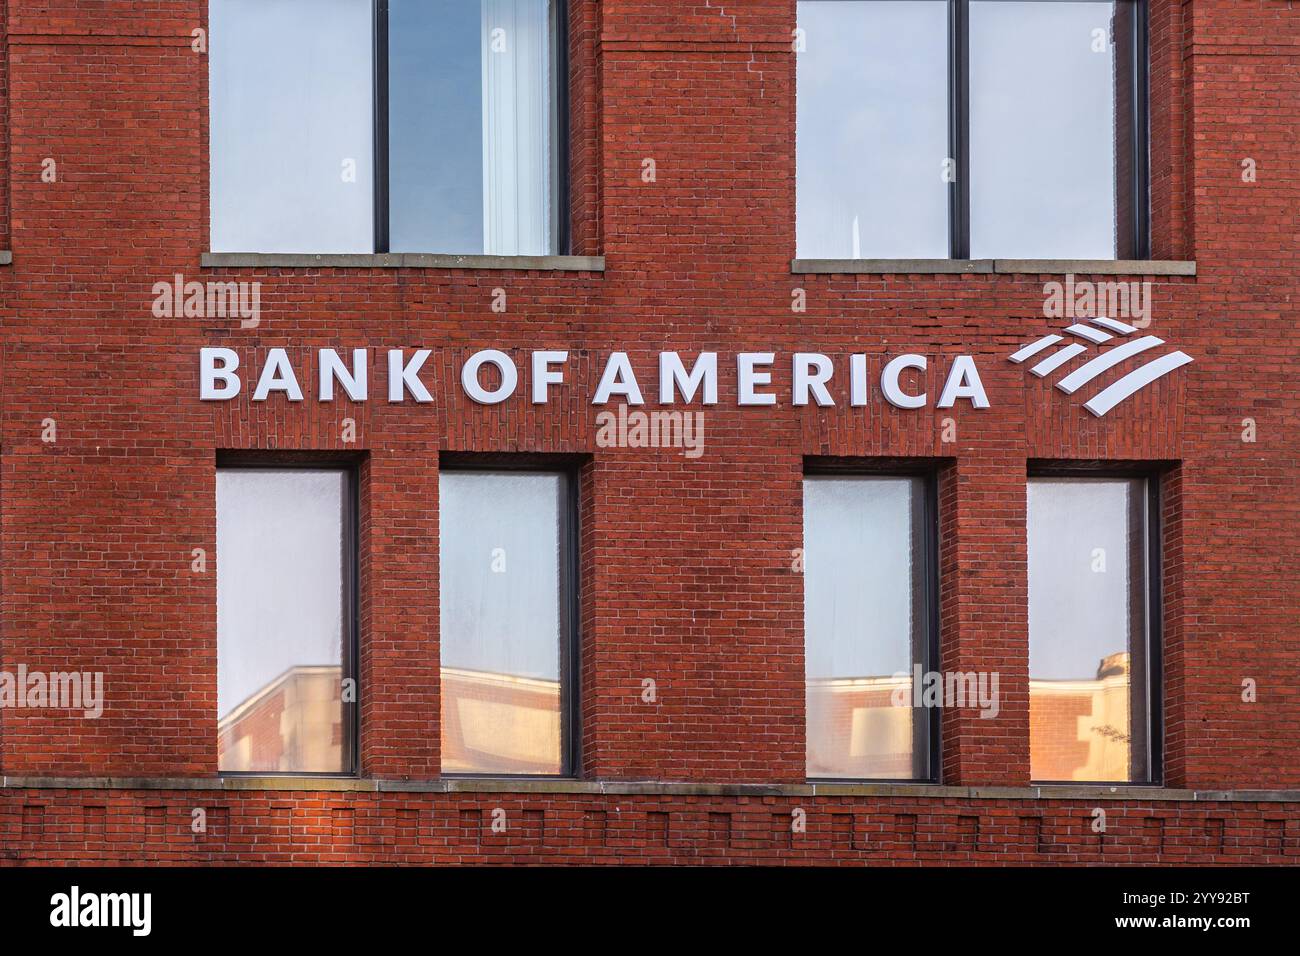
(865, 625)
(504, 599)
(285, 558)
(1088, 684)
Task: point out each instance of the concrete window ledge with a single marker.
(1096, 267)
(537, 785)
(1115, 267)
(890, 266)
(6, 257)
(397, 260)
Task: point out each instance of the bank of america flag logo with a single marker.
(1095, 332)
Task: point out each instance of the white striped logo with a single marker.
(1098, 331)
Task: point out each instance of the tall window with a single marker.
(971, 129)
(868, 602)
(872, 128)
(508, 621)
(292, 126)
(1091, 672)
(286, 559)
(386, 125)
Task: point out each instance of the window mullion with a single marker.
(1140, 54)
(380, 125)
(959, 127)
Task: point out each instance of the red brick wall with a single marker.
(688, 574)
(584, 128)
(1240, 531)
(119, 827)
(4, 126)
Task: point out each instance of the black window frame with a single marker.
(569, 467)
(1153, 639)
(932, 546)
(350, 662)
(380, 121)
(959, 190)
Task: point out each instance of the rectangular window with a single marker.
(508, 593)
(1043, 117)
(387, 125)
(871, 130)
(286, 627)
(972, 128)
(291, 106)
(869, 626)
(1091, 599)
(472, 123)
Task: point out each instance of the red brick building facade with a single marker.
(108, 463)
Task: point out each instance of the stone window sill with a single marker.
(539, 785)
(398, 260)
(6, 257)
(1126, 267)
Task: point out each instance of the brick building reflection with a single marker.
(502, 723)
(293, 723)
(492, 723)
(1079, 729)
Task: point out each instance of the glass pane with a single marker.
(864, 626)
(291, 132)
(501, 594)
(471, 140)
(872, 130)
(281, 613)
(1087, 630)
(1043, 137)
